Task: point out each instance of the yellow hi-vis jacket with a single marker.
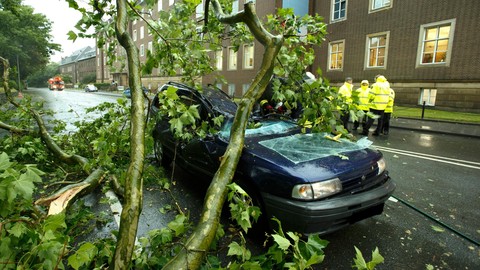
(379, 94)
(362, 94)
(345, 92)
(391, 98)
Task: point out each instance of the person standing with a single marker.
(388, 113)
(345, 93)
(361, 100)
(378, 96)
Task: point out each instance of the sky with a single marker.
(63, 20)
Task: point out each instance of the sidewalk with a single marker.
(445, 127)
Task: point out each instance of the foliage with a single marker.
(89, 78)
(435, 114)
(185, 122)
(26, 241)
(27, 37)
(361, 264)
(241, 207)
(40, 77)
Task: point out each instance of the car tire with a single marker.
(160, 156)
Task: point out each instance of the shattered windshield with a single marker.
(260, 128)
(305, 147)
(300, 147)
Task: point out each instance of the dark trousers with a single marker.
(344, 117)
(386, 123)
(379, 123)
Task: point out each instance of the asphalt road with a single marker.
(432, 219)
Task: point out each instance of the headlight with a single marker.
(317, 190)
(381, 166)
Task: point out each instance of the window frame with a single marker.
(421, 43)
(336, 42)
(371, 4)
(219, 59)
(332, 10)
(246, 64)
(367, 50)
(231, 51)
(231, 89)
(428, 101)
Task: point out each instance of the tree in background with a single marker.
(26, 37)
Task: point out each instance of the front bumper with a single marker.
(328, 215)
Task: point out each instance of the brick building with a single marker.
(80, 65)
(426, 49)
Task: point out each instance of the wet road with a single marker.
(437, 178)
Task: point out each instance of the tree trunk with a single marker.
(194, 251)
(134, 183)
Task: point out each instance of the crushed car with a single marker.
(311, 182)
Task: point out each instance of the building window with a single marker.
(435, 44)
(231, 89)
(199, 10)
(142, 50)
(428, 96)
(150, 46)
(235, 6)
(248, 56)
(160, 5)
(376, 5)
(335, 59)
(245, 88)
(171, 2)
(219, 59)
(219, 86)
(339, 10)
(142, 30)
(377, 48)
(134, 35)
(232, 58)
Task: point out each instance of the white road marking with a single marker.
(453, 161)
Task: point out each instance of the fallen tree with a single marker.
(194, 249)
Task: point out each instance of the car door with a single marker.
(199, 154)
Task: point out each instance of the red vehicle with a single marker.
(56, 83)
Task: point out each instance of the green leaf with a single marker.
(376, 259)
(54, 222)
(234, 249)
(282, 242)
(22, 187)
(18, 229)
(4, 161)
(438, 229)
(84, 256)
(178, 225)
(359, 261)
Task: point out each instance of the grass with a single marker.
(433, 114)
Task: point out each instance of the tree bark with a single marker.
(133, 196)
(194, 251)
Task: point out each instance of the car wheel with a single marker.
(159, 154)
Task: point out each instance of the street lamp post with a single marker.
(18, 72)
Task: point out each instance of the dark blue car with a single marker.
(311, 183)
